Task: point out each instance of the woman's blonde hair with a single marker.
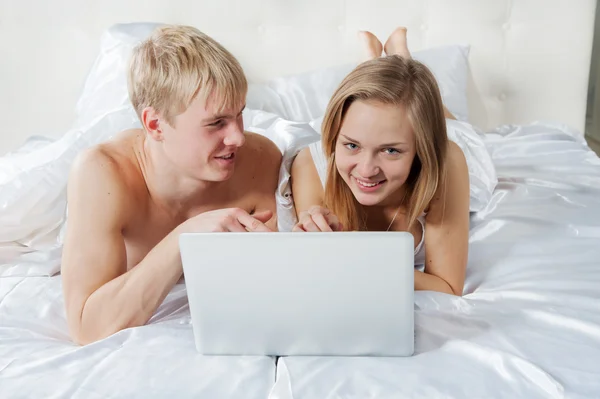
(396, 81)
(175, 65)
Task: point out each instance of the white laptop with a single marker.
(284, 294)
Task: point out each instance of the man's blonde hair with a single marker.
(178, 63)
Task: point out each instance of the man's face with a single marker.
(203, 143)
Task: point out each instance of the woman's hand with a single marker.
(317, 219)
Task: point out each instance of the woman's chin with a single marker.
(365, 199)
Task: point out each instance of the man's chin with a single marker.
(219, 174)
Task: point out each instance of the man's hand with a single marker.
(231, 219)
(318, 219)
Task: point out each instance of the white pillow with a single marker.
(105, 87)
(298, 98)
(304, 97)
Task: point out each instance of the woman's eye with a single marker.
(217, 123)
(351, 146)
(391, 151)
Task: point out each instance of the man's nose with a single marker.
(235, 135)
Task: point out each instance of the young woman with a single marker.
(387, 164)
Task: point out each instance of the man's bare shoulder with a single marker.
(108, 170)
(260, 156)
(94, 176)
(257, 144)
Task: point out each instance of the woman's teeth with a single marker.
(367, 184)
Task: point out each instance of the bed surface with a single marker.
(527, 327)
(38, 360)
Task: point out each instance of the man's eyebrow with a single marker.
(222, 116)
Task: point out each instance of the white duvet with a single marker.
(37, 359)
(528, 325)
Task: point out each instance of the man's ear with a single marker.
(152, 123)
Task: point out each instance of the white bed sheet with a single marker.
(38, 360)
(528, 325)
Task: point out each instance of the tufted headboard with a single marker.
(529, 59)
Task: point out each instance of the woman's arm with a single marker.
(429, 282)
(307, 190)
(308, 193)
(447, 230)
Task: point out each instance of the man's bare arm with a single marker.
(101, 296)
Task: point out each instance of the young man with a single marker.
(192, 168)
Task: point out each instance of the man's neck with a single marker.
(168, 188)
